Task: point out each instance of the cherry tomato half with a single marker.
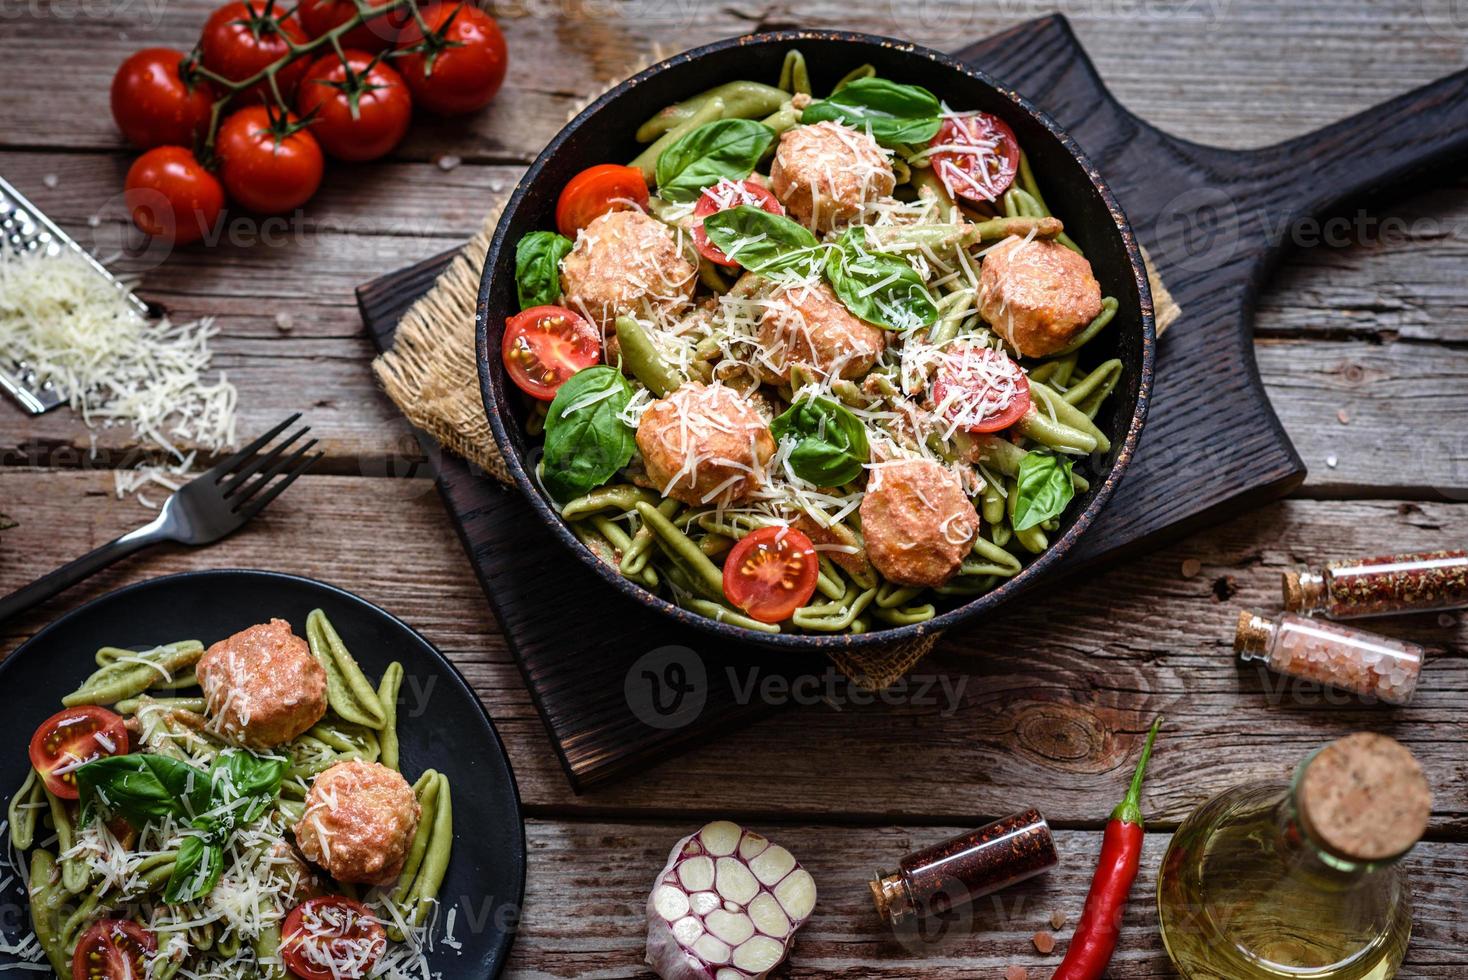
(156, 103)
(331, 938)
(595, 191)
(377, 34)
(356, 114)
(459, 65)
(240, 39)
(771, 573)
(980, 156)
(69, 740)
(722, 196)
(113, 949)
(171, 196)
(268, 165)
(545, 345)
(980, 389)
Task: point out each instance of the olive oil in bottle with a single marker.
(1299, 880)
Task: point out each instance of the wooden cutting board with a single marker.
(619, 688)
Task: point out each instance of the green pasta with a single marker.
(387, 694)
(348, 691)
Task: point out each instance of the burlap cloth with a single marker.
(432, 374)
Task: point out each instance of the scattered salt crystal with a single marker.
(448, 162)
(50, 180)
(94, 221)
(1331, 461)
(1044, 942)
(283, 322)
(1343, 417)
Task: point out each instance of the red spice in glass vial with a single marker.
(955, 872)
(1424, 582)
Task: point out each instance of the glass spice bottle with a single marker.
(1350, 659)
(1424, 582)
(955, 872)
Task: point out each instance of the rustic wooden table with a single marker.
(1362, 343)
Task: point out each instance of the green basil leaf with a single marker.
(538, 268)
(142, 788)
(724, 148)
(195, 872)
(832, 445)
(877, 287)
(240, 775)
(586, 441)
(1043, 489)
(895, 114)
(764, 242)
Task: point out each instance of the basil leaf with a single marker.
(237, 775)
(586, 441)
(142, 788)
(1043, 489)
(894, 113)
(196, 871)
(832, 445)
(877, 287)
(724, 148)
(763, 242)
(538, 268)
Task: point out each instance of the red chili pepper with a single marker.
(1121, 852)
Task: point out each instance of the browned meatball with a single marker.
(809, 326)
(917, 522)
(626, 262)
(1037, 294)
(704, 442)
(359, 821)
(262, 687)
(824, 173)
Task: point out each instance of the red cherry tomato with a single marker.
(458, 66)
(722, 196)
(771, 573)
(113, 949)
(358, 110)
(269, 165)
(545, 345)
(377, 34)
(171, 196)
(242, 38)
(156, 102)
(595, 191)
(69, 740)
(980, 156)
(331, 938)
(979, 389)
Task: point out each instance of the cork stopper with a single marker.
(1364, 798)
(1303, 591)
(1251, 637)
(890, 897)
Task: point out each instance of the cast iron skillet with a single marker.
(441, 725)
(603, 133)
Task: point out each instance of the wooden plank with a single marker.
(1050, 702)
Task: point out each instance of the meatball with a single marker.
(704, 442)
(359, 821)
(1037, 294)
(809, 326)
(626, 262)
(824, 173)
(917, 521)
(262, 687)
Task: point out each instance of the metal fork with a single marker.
(204, 510)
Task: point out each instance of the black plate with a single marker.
(441, 725)
(603, 133)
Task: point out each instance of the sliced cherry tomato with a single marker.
(595, 191)
(980, 156)
(269, 164)
(332, 938)
(156, 101)
(69, 740)
(722, 196)
(113, 949)
(771, 573)
(459, 64)
(377, 34)
(240, 39)
(980, 389)
(171, 196)
(545, 345)
(358, 110)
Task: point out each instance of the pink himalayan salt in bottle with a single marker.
(1363, 663)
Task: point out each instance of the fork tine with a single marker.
(256, 506)
(258, 483)
(220, 470)
(236, 481)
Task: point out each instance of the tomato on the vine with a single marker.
(267, 161)
(171, 196)
(157, 101)
(376, 34)
(771, 573)
(113, 949)
(69, 740)
(359, 109)
(458, 66)
(595, 191)
(332, 938)
(242, 38)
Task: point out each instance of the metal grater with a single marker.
(23, 228)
